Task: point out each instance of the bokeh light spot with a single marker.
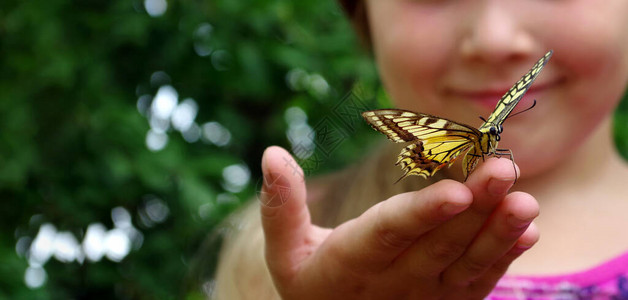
(155, 8)
(226, 198)
(66, 247)
(156, 210)
(156, 141)
(295, 116)
(192, 134)
(42, 246)
(22, 245)
(202, 39)
(117, 245)
(205, 210)
(299, 133)
(165, 102)
(121, 217)
(159, 78)
(93, 244)
(318, 85)
(184, 115)
(296, 78)
(236, 177)
(35, 277)
(216, 134)
(143, 104)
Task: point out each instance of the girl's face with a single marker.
(456, 59)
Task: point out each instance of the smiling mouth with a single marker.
(488, 98)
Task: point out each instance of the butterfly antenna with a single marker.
(482, 118)
(402, 177)
(529, 108)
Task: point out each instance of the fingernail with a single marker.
(453, 208)
(499, 187)
(517, 223)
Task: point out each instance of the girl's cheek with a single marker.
(594, 49)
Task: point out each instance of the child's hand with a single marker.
(448, 240)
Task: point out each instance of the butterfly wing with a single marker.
(436, 142)
(415, 160)
(470, 161)
(509, 100)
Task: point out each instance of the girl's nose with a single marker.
(494, 32)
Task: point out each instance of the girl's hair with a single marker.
(341, 196)
(356, 11)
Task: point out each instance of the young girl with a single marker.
(355, 234)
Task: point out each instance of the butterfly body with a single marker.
(437, 142)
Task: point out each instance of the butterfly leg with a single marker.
(507, 152)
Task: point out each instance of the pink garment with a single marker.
(606, 281)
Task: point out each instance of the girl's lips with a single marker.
(489, 97)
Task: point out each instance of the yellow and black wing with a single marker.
(509, 100)
(435, 142)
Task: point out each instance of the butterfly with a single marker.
(437, 142)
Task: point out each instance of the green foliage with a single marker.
(76, 78)
(621, 127)
(73, 127)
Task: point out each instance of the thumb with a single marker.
(285, 216)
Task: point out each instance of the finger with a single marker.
(383, 232)
(504, 228)
(491, 182)
(442, 246)
(285, 217)
(487, 282)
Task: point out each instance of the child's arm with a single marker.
(242, 273)
(449, 239)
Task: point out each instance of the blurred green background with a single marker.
(130, 129)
